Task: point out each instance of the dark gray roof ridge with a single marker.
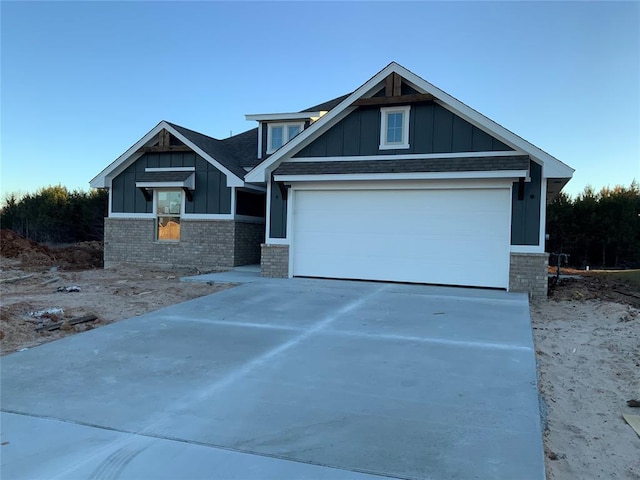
(328, 105)
(213, 147)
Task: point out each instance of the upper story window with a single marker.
(280, 133)
(394, 127)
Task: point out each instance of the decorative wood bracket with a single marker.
(395, 100)
(146, 193)
(165, 138)
(521, 188)
(393, 95)
(393, 85)
(164, 148)
(188, 194)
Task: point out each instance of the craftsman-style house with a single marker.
(396, 181)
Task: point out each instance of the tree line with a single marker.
(56, 215)
(597, 229)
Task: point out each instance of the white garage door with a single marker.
(450, 237)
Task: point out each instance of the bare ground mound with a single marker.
(595, 286)
(80, 256)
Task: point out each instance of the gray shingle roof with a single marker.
(328, 105)
(240, 150)
(215, 148)
(460, 164)
(244, 147)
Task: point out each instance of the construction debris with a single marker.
(67, 323)
(47, 313)
(73, 288)
(17, 279)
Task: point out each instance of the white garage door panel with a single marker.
(457, 237)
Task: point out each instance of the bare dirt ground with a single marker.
(587, 339)
(588, 353)
(31, 276)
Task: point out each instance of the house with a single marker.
(396, 181)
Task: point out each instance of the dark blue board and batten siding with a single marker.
(211, 194)
(432, 129)
(525, 213)
(278, 217)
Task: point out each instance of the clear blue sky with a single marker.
(83, 81)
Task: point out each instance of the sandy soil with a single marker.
(111, 295)
(588, 355)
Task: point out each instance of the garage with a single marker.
(448, 236)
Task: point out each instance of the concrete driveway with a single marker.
(285, 379)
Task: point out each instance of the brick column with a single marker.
(274, 261)
(528, 273)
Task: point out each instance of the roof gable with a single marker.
(552, 167)
(212, 150)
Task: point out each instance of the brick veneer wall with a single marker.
(528, 273)
(203, 243)
(248, 238)
(274, 261)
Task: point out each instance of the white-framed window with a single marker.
(169, 208)
(280, 133)
(394, 127)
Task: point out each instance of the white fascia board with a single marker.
(527, 249)
(170, 169)
(399, 184)
(103, 179)
(206, 216)
(408, 156)
(551, 165)
(267, 117)
(259, 173)
(257, 188)
(147, 216)
(510, 174)
(277, 241)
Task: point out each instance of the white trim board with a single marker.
(510, 174)
(352, 264)
(207, 216)
(285, 133)
(264, 117)
(139, 216)
(527, 249)
(384, 118)
(170, 169)
(404, 184)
